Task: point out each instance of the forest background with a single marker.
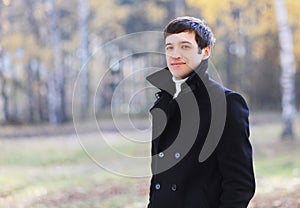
(45, 44)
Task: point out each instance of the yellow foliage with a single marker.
(46, 55)
(155, 13)
(16, 41)
(293, 8)
(12, 42)
(257, 20)
(210, 10)
(6, 2)
(107, 14)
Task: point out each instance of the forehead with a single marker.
(181, 37)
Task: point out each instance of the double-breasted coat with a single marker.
(201, 153)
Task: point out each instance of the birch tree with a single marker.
(288, 69)
(3, 93)
(83, 10)
(3, 96)
(56, 80)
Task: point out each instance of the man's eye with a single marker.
(185, 46)
(169, 48)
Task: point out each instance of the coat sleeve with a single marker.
(234, 154)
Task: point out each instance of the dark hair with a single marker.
(204, 36)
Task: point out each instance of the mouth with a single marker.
(177, 63)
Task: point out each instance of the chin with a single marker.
(179, 76)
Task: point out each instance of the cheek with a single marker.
(168, 59)
(193, 62)
(196, 59)
(167, 56)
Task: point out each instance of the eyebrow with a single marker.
(182, 42)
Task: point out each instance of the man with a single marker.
(201, 153)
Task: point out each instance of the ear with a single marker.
(206, 52)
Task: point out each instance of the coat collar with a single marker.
(162, 79)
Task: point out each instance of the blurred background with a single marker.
(76, 68)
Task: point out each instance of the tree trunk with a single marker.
(57, 85)
(3, 93)
(229, 66)
(288, 70)
(36, 30)
(4, 97)
(42, 102)
(52, 102)
(30, 93)
(84, 56)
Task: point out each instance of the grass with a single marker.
(276, 162)
(272, 155)
(54, 171)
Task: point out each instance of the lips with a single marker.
(177, 63)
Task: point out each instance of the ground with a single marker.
(50, 166)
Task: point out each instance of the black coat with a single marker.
(201, 153)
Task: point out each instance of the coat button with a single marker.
(161, 155)
(177, 155)
(174, 187)
(157, 186)
(157, 95)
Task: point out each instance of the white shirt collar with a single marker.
(178, 83)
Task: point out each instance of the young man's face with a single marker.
(182, 54)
